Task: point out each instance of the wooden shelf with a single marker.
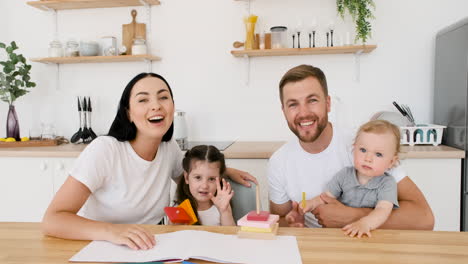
(304, 51)
(82, 4)
(94, 59)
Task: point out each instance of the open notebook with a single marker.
(182, 245)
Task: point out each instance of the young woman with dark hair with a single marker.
(206, 187)
(124, 179)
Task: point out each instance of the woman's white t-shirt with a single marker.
(124, 187)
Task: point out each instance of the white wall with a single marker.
(194, 38)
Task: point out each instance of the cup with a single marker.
(48, 131)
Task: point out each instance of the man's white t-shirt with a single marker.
(292, 170)
(210, 217)
(124, 187)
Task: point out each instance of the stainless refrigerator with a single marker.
(450, 97)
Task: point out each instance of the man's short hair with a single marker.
(300, 73)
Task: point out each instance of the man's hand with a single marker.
(295, 217)
(335, 214)
(241, 177)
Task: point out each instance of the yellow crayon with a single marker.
(303, 200)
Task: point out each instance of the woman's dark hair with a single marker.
(122, 128)
(198, 153)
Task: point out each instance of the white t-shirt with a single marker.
(210, 217)
(124, 187)
(292, 170)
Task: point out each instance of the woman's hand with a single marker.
(133, 236)
(223, 196)
(241, 177)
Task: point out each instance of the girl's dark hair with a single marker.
(198, 153)
(122, 129)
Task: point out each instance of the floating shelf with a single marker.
(82, 4)
(94, 59)
(304, 51)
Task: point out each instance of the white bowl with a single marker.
(89, 48)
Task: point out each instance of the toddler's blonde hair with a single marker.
(381, 127)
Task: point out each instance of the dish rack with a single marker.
(421, 134)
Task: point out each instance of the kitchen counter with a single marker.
(238, 150)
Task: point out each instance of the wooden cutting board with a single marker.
(131, 31)
(30, 143)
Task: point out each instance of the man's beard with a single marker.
(308, 138)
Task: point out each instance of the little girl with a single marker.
(367, 184)
(204, 185)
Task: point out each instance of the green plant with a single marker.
(15, 79)
(360, 11)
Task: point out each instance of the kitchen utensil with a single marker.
(77, 135)
(238, 44)
(90, 110)
(408, 111)
(403, 112)
(86, 135)
(131, 31)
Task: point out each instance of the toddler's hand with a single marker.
(358, 228)
(223, 196)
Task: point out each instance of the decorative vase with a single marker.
(13, 124)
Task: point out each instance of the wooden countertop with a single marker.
(238, 150)
(24, 243)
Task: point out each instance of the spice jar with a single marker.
(139, 46)
(72, 49)
(55, 49)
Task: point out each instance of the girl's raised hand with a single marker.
(223, 196)
(133, 236)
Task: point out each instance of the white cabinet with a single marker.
(440, 182)
(258, 168)
(28, 186)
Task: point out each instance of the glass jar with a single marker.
(139, 46)
(72, 49)
(278, 37)
(55, 49)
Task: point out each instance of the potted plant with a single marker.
(361, 13)
(14, 82)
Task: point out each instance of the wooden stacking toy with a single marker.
(182, 214)
(258, 224)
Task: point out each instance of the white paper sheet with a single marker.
(182, 245)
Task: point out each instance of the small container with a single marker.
(72, 49)
(180, 129)
(261, 37)
(278, 37)
(55, 49)
(108, 46)
(139, 46)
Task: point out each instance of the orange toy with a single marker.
(182, 214)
